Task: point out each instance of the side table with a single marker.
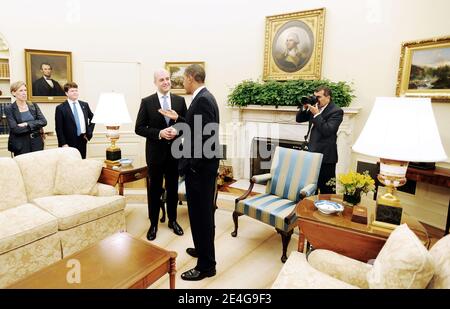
(339, 234)
(123, 175)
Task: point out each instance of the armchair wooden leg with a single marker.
(285, 239)
(236, 215)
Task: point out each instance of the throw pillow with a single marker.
(76, 176)
(441, 257)
(403, 263)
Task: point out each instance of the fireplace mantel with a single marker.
(279, 122)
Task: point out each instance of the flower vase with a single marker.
(352, 199)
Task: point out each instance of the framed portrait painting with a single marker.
(176, 70)
(293, 45)
(424, 69)
(46, 73)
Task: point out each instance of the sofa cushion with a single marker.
(441, 258)
(73, 210)
(12, 188)
(76, 176)
(39, 169)
(297, 273)
(340, 267)
(24, 224)
(403, 262)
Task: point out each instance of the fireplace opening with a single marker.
(262, 150)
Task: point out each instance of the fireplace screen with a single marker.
(262, 150)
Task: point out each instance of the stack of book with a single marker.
(4, 128)
(4, 70)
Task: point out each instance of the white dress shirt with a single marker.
(161, 99)
(80, 115)
(197, 91)
(49, 82)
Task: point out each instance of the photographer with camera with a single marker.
(324, 119)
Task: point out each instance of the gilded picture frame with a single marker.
(294, 45)
(46, 73)
(176, 70)
(424, 69)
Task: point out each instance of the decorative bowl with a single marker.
(328, 207)
(125, 162)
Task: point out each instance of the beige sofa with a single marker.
(403, 262)
(38, 227)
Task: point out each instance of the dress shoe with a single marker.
(195, 275)
(176, 228)
(151, 234)
(192, 252)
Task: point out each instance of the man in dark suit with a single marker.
(324, 120)
(73, 121)
(46, 86)
(160, 134)
(200, 166)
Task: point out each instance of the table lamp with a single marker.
(112, 112)
(398, 130)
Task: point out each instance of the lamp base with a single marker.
(384, 225)
(113, 154)
(112, 163)
(388, 209)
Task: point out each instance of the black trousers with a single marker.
(200, 189)
(30, 144)
(327, 171)
(167, 170)
(79, 143)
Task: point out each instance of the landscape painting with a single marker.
(430, 69)
(424, 69)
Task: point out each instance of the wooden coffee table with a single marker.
(338, 233)
(119, 261)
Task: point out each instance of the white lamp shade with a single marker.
(111, 110)
(401, 129)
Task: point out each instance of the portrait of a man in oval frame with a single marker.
(292, 46)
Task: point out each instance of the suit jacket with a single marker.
(42, 88)
(65, 126)
(149, 122)
(324, 132)
(204, 105)
(18, 136)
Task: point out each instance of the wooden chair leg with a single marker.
(285, 239)
(236, 215)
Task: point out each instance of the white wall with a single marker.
(362, 40)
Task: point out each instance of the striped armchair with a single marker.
(293, 176)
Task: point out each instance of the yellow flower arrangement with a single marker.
(354, 183)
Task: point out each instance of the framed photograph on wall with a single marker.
(424, 69)
(46, 73)
(176, 70)
(293, 45)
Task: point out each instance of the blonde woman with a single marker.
(25, 122)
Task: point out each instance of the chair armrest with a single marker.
(247, 193)
(298, 274)
(340, 267)
(308, 190)
(101, 189)
(261, 179)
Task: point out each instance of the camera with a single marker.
(311, 100)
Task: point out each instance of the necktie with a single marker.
(166, 107)
(77, 119)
